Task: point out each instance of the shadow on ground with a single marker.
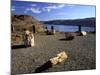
(64, 39)
(43, 67)
(18, 46)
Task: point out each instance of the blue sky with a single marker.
(51, 11)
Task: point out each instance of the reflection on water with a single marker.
(64, 28)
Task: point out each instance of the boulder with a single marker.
(69, 36)
(62, 56)
(83, 33)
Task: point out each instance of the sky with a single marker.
(43, 11)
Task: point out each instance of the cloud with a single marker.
(61, 5)
(50, 7)
(13, 8)
(56, 6)
(34, 10)
(71, 6)
(33, 5)
(48, 10)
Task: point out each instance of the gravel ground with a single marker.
(81, 54)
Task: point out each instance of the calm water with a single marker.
(64, 28)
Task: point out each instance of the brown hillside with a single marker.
(19, 22)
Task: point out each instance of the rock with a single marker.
(59, 58)
(82, 33)
(54, 60)
(69, 36)
(54, 32)
(32, 42)
(62, 56)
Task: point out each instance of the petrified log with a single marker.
(69, 36)
(61, 57)
(82, 33)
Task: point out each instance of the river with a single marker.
(69, 28)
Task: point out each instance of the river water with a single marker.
(69, 28)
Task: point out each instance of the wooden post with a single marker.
(33, 28)
(79, 28)
(12, 28)
(52, 30)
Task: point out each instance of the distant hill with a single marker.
(83, 22)
(19, 22)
